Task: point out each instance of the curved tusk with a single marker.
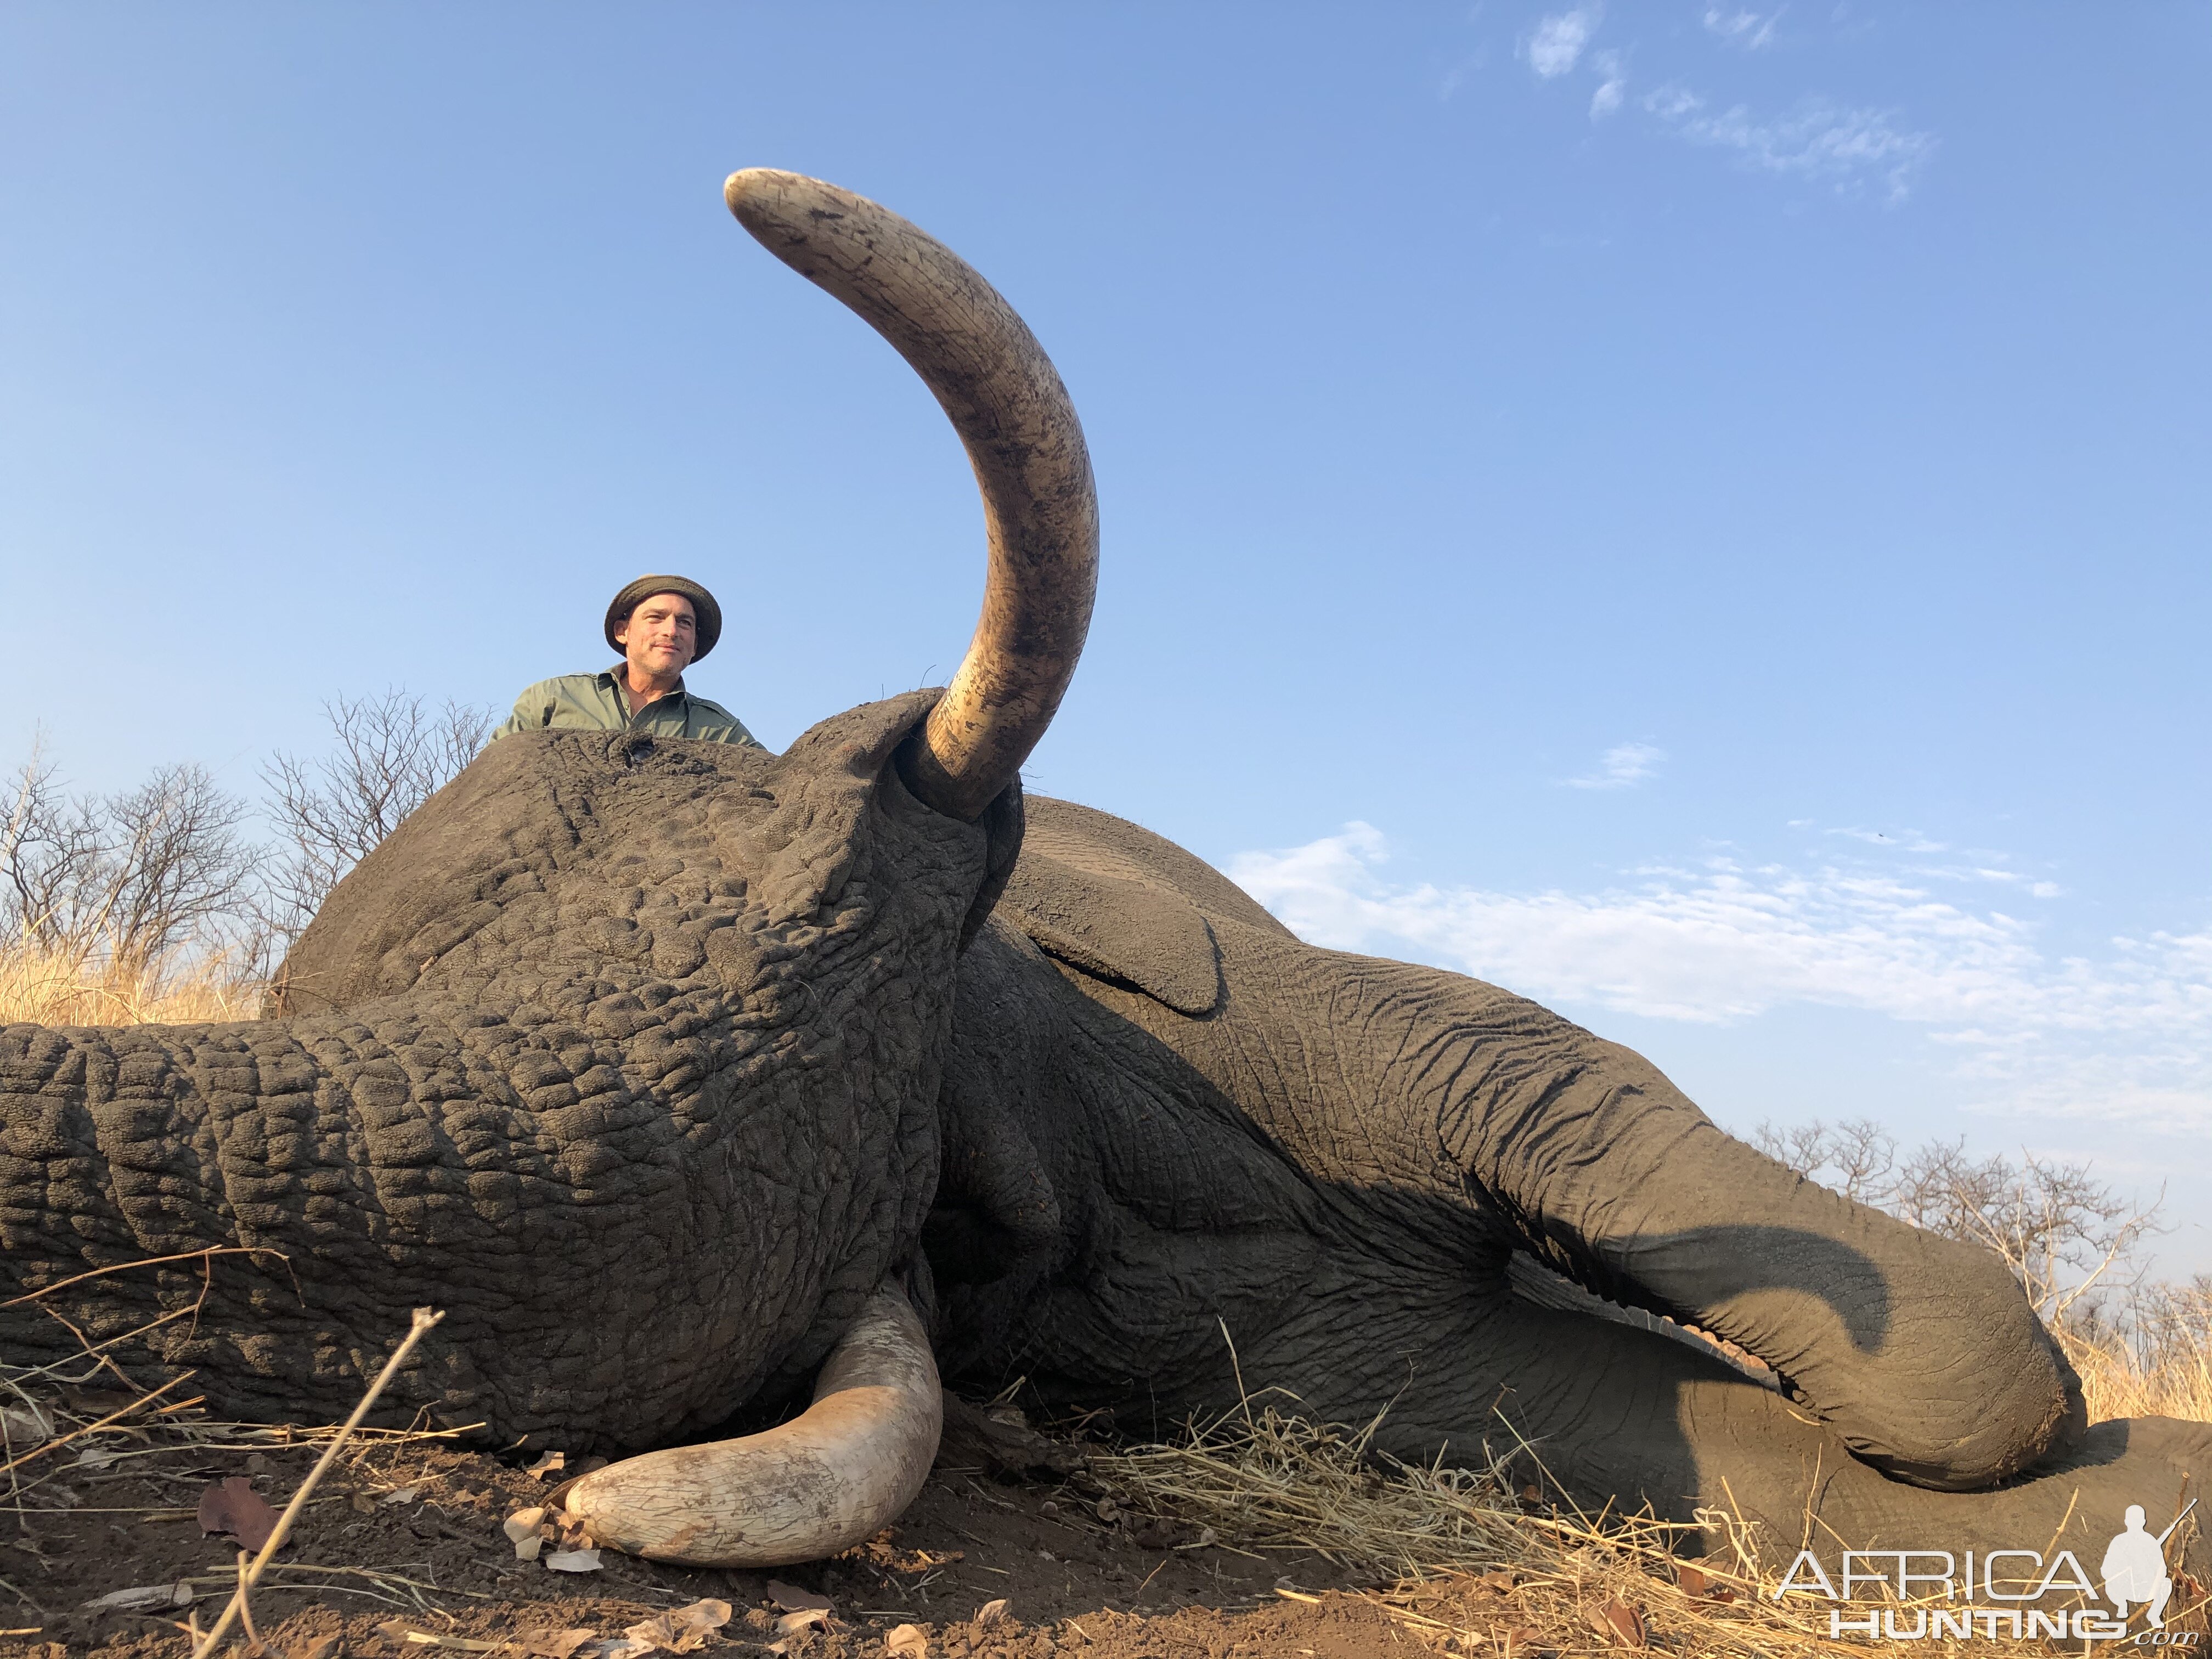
(1006, 402)
(833, 1476)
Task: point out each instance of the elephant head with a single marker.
(626, 1055)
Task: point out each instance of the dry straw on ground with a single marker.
(1473, 1565)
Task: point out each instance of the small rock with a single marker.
(523, 1523)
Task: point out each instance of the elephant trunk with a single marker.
(1921, 1352)
(821, 1483)
(1006, 401)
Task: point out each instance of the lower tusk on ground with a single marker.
(836, 1475)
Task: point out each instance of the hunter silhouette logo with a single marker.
(1998, 1595)
(2134, 1567)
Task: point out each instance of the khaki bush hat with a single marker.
(702, 606)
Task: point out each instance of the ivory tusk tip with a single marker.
(749, 186)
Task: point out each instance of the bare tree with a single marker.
(48, 845)
(2064, 1234)
(1856, 1157)
(392, 753)
(130, 877)
(2067, 1237)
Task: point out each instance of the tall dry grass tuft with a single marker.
(2158, 1363)
(40, 985)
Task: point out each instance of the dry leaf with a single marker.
(547, 1463)
(1618, 1622)
(23, 1427)
(363, 1504)
(991, 1612)
(806, 1619)
(620, 1647)
(233, 1507)
(552, 1643)
(1693, 1582)
(140, 1597)
(698, 1621)
(681, 1630)
(523, 1523)
(573, 1560)
(97, 1457)
(792, 1599)
(907, 1639)
(398, 1495)
(526, 1549)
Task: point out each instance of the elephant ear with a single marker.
(1128, 932)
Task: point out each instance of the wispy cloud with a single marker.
(1817, 140)
(2127, 1034)
(1622, 767)
(1460, 74)
(1557, 42)
(1742, 28)
(1612, 87)
(1850, 148)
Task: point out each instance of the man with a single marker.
(661, 625)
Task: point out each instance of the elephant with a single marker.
(678, 1074)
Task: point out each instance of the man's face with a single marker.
(661, 637)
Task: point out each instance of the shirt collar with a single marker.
(616, 679)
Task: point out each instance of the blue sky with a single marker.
(1696, 513)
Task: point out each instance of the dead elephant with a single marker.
(672, 1070)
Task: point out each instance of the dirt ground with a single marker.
(401, 1551)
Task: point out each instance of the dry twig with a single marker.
(425, 1319)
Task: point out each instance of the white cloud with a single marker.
(2126, 1036)
(1671, 103)
(1622, 767)
(1612, 88)
(1746, 29)
(1818, 140)
(1558, 41)
(1459, 74)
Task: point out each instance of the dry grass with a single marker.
(69, 1418)
(90, 987)
(1472, 1567)
(2162, 1367)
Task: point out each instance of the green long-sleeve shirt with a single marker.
(596, 703)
